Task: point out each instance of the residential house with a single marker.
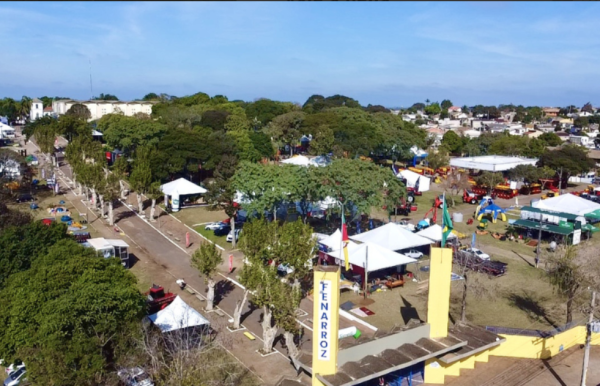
(582, 141)
(471, 133)
(480, 123)
(454, 109)
(551, 111)
(563, 136)
(593, 130)
(49, 112)
(437, 134)
(545, 127)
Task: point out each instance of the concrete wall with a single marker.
(377, 346)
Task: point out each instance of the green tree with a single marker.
(141, 175)
(206, 259)
(508, 145)
(446, 104)
(323, 141)
(237, 123)
(550, 139)
(285, 129)
(21, 245)
(127, 133)
(75, 315)
(12, 217)
(106, 97)
(221, 194)
(452, 142)
(489, 179)
(265, 110)
(80, 111)
(151, 97)
(571, 160)
(433, 109)
(436, 160)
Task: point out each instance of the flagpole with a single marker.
(342, 232)
(442, 244)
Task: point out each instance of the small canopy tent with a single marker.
(176, 316)
(393, 237)
(180, 187)
(569, 203)
(412, 178)
(372, 256)
(434, 233)
(333, 241)
(183, 187)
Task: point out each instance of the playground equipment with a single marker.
(487, 207)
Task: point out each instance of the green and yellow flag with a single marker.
(446, 223)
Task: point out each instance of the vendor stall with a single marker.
(110, 248)
(181, 187)
(178, 315)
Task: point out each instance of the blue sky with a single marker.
(390, 53)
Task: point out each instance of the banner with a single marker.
(230, 263)
(187, 239)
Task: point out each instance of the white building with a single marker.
(98, 108)
(582, 141)
(492, 163)
(37, 109)
(6, 131)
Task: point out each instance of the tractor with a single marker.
(157, 298)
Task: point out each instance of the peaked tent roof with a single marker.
(177, 315)
(392, 236)
(378, 257)
(334, 240)
(434, 233)
(182, 186)
(568, 203)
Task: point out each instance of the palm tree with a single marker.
(24, 107)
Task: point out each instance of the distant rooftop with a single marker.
(492, 163)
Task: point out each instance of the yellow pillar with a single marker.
(438, 305)
(326, 314)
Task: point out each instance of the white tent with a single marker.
(183, 187)
(568, 203)
(298, 160)
(434, 233)
(393, 237)
(411, 180)
(177, 315)
(372, 256)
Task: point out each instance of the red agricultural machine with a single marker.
(157, 298)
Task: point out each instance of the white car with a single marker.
(414, 254)
(230, 235)
(15, 378)
(479, 253)
(135, 377)
(214, 225)
(13, 367)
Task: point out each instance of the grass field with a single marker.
(219, 240)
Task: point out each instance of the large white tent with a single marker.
(176, 316)
(412, 177)
(333, 241)
(372, 256)
(492, 163)
(434, 233)
(393, 237)
(568, 203)
(182, 187)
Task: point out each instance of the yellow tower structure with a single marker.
(326, 313)
(438, 304)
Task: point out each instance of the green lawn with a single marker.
(219, 240)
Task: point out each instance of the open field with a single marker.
(219, 240)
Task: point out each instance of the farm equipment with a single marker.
(531, 189)
(549, 195)
(157, 298)
(504, 191)
(480, 189)
(472, 197)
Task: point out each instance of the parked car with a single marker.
(135, 376)
(223, 231)
(16, 377)
(284, 269)
(479, 253)
(25, 197)
(491, 267)
(214, 225)
(13, 367)
(230, 235)
(414, 254)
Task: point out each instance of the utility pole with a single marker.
(588, 339)
(560, 181)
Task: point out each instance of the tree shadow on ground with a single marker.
(524, 259)
(408, 312)
(251, 308)
(222, 289)
(527, 303)
(123, 215)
